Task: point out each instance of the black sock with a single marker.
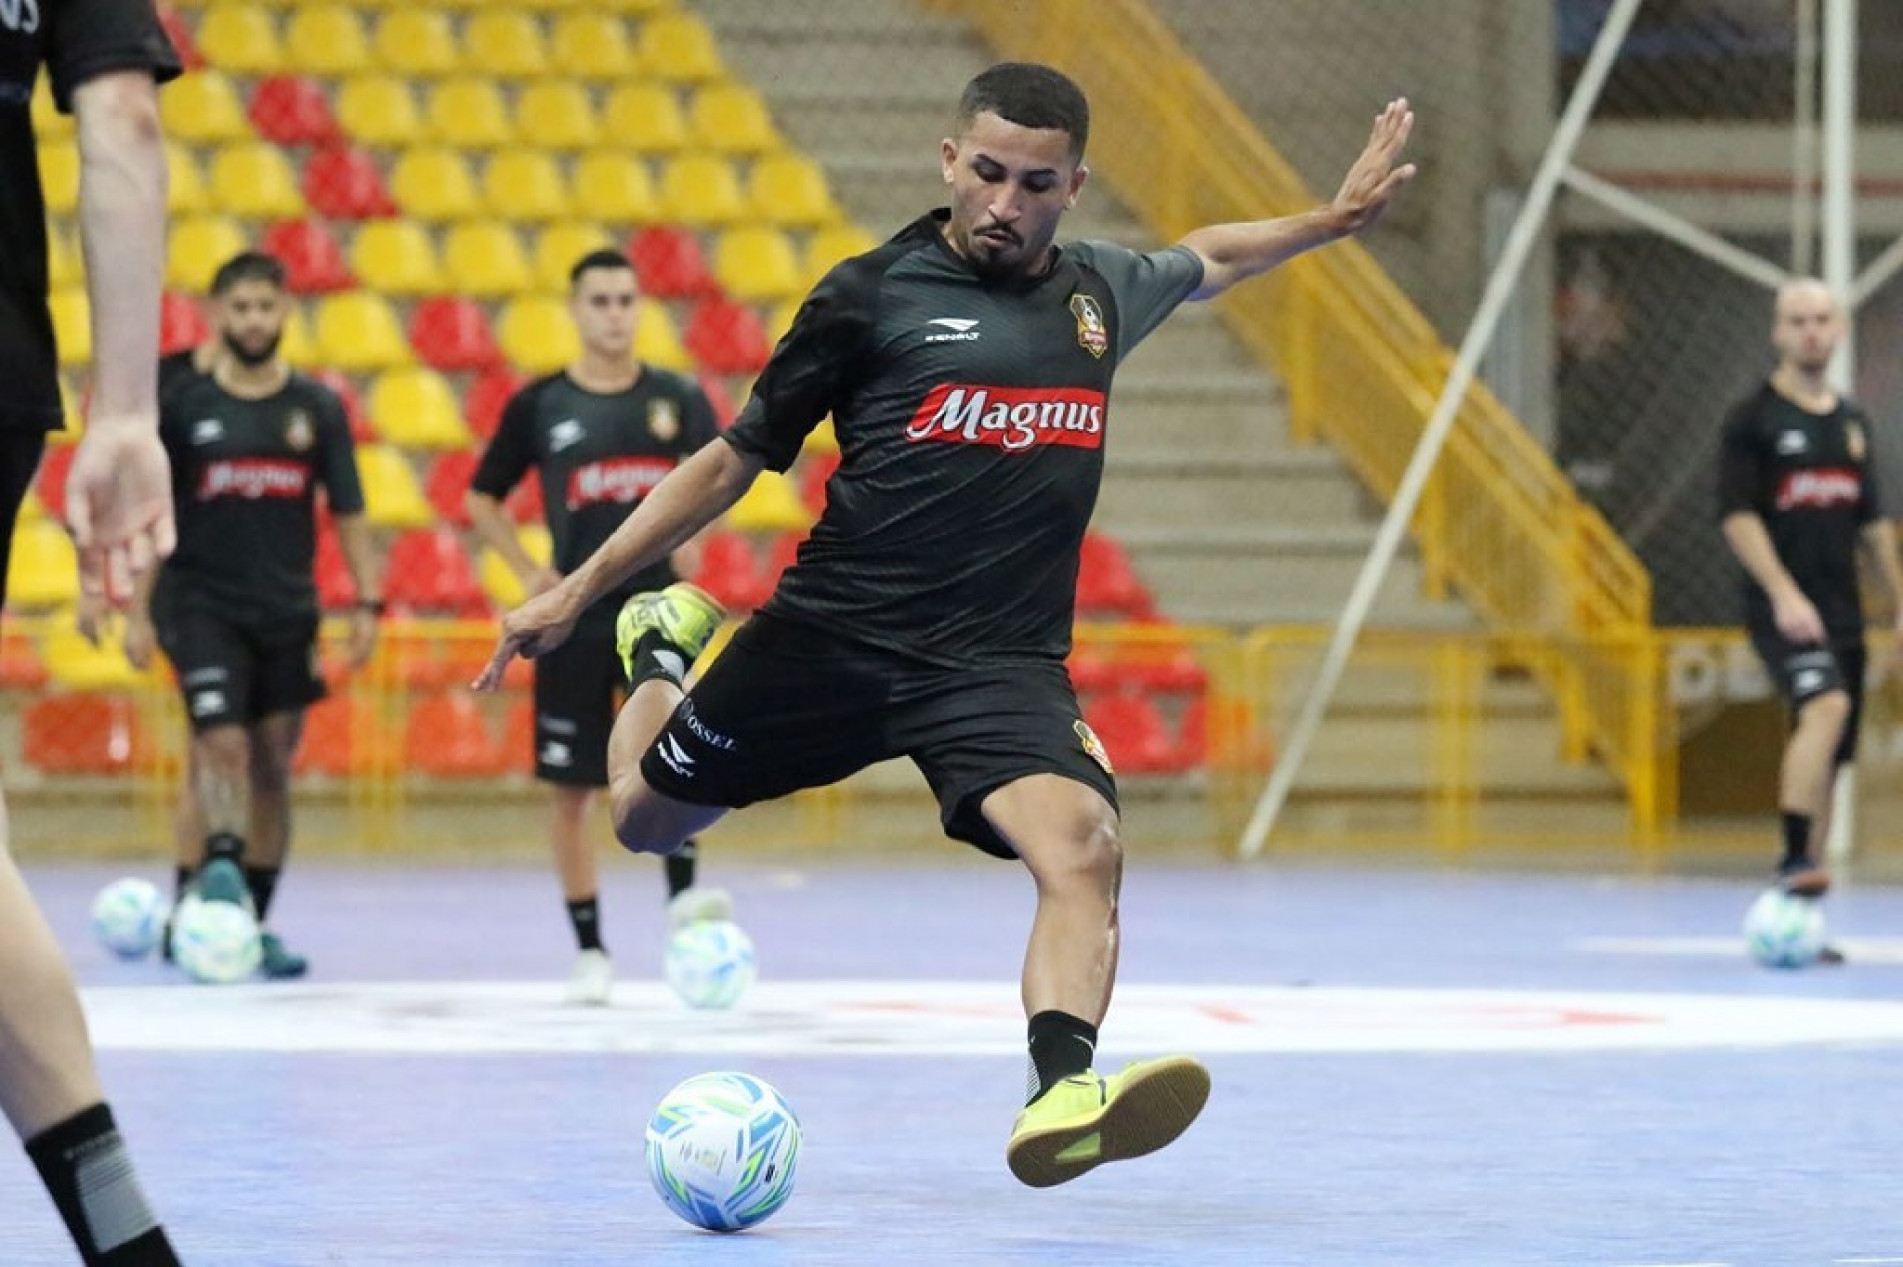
(1796, 841)
(263, 882)
(224, 844)
(680, 867)
(656, 657)
(1061, 1045)
(585, 915)
(182, 877)
(89, 1175)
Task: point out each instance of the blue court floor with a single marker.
(1411, 1068)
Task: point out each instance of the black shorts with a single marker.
(19, 463)
(578, 687)
(787, 707)
(1803, 671)
(234, 675)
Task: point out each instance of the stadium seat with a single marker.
(555, 114)
(499, 580)
(48, 123)
(415, 408)
(448, 736)
(771, 505)
(781, 555)
(298, 347)
(346, 389)
(446, 482)
(502, 40)
(242, 39)
(645, 117)
(559, 246)
(485, 259)
(435, 184)
(292, 110)
(344, 736)
(719, 397)
(357, 331)
(390, 488)
(678, 46)
(182, 323)
(731, 118)
(656, 341)
(255, 180)
(335, 590)
(614, 189)
(21, 667)
(526, 184)
(469, 111)
(396, 257)
(430, 573)
(59, 177)
(813, 471)
(314, 263)
(72, 325)
(729, 572)
(452, 333)
(1133, 730)
(416, 41)
(790, 190)
(77, 665)
(726, 337)
(780, 319)
(379, 110)
(1106, 583)
(757, 263)
(49, 482)
(701, 189)
(525, 503)
(488, 393)
(185, 193)
(330, 39)
(827, 247)
(536, 334)
(592, 45)
(203, 108)
(345, 184)
(179, 31)
(82, 733)
(43, 570)
(669, 262)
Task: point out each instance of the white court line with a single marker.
(1885, 951)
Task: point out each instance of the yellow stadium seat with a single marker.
(434, 184)
(416, 41)
(557, 115)
(357, 330)
(203, 106)
(757, 263)
(678, 46)
(76, 665)
(593, 45)
(393, 497)
(790, 190)
(701, 189)
(379, 110)
(524, 184)
(48, 123)
(469, 111)
(656, 341)
(772, 505)
(558, 247)
(417, 409)
(241, 38)
(298, 347)
(65, 265)
(821, 439)
(485, 259)
(732, 119)
(828, 247)
(255, 180)
(330, 39)
(396, 257)
(536, 334)
(185, 187)
(59, 177)
(615, 189)
(72, 325)
(197, 247)
(780, 320)
(645, 117)
(506, 42)
(44, 569)
(499, 580)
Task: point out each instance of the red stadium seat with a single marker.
(518, 734)
(314, 263)
(1106, 583)
(346, 389)
(452, 333)
(449, 737)
(1135, 733)
(335, 589)
(815, 470)
(729, 572)
(292, 110)
(182, 323)
(525, 502)
(345, 735)
(429, 571)
(727, 337)
(91, 733)
(670, 263)
(779, 557)
(51, 481)
(180, 33)
(719, 397)
(446, 481)
(487, 395)
(20, 663)
(344, 184)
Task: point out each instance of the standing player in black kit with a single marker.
(601, 433)
(104, 58)
(966, 364)
(1798, 493)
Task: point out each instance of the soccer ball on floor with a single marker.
(129, 917)
(721, 1150)
(710, 963)
(215, 942)
(1782, 931)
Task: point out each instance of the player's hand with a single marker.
(1797, 619)
(1374, 180)
(541, 581)
(89, 617)
(119, 506)
(140, 640)
(536, 628)
(363, 639)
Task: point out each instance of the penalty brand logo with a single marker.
(254, 478)
(1820, 489)
(1010, 418)
(675, 757)
(953, 330)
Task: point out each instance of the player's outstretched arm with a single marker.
(1236, 252)
(693, 495)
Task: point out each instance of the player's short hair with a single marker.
(1031, 96)
(248, 266)
(606, 257)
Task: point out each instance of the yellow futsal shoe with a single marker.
(1086, 1120)
(686, 615)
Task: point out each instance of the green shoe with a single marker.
(1086, 1120)
(221, 880)
(685, 615)
(277, 962)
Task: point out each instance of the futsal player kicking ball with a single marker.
(966, 364)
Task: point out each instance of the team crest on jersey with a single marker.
(664, 420)
(1854, 441)
(1093, 746)
(299, 434)
(1093, 336)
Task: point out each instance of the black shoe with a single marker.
(1830, 957)
(1803, 879)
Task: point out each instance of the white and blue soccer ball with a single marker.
(1782, 931)
(710, 963)
(722, 1149)
(129, 917)
(216, 943)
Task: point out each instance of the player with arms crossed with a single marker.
(966, 364)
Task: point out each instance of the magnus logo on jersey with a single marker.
(1010, 418)
(253, 478)
(618, 480)
(1820, 489)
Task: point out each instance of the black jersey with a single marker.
(1811, 478)
(76, 40)
(244, 476)
(971, 417)
(598, 454)
(177, 369)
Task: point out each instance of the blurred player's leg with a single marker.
(593, 976)
(221, 761)
(273, 746)
(1804, 790)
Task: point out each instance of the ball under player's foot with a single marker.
(278, 962)
(1087, 1120)
(684, 616)
(591, 980)
(698, 904)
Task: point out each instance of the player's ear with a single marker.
(948, 157)
(1077, 179)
